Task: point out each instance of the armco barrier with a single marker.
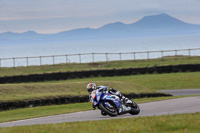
(65, 100)
(96, 73)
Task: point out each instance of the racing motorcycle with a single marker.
(112, 105)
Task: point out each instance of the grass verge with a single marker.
(125, 84)
(28, 91)
(153, 124)
(173, 60)
(26, 113)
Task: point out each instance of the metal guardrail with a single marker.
(93, 57)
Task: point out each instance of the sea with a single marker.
(97, 50)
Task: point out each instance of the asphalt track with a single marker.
(165, 107)
(181, 92)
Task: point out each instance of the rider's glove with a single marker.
(105, 88)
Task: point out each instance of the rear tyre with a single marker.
(135, 109)
(112, 111)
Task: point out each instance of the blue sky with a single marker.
(52, 16)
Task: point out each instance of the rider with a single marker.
(92, 86)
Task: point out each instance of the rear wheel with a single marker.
(135, 109)
(111, 111)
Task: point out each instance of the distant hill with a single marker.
(155, 25)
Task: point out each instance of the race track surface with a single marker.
(172, 106)
(181, 92)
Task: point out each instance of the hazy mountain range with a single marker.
(155, 25)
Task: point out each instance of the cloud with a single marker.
(26, 9)
(55, 15)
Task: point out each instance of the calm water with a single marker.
(98, 46)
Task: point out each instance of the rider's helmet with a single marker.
(91, 87)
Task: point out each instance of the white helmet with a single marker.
(90, 87)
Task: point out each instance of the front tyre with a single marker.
(103, 113)
(135, 109)
(111, 111)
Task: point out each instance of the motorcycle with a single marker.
(112, 105)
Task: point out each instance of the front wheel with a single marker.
(111, 111)
(135, 109)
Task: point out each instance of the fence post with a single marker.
(120, 56)
(53, 60)
(147, 55)
(40, 60)
(106, 57)
(189, 52)
(175, 52)
(134, 56)
(0, 62)
(66, 59)
(162, 55)
(93, 57)
(26, 61)
(79, 58)
(13, 62)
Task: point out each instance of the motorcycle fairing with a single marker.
(109, 97)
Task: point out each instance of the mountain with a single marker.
(159, 21)
(155, 25)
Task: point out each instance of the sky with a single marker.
(53, 16)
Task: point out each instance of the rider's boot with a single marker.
(124, 99)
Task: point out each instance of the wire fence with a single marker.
(93, 57)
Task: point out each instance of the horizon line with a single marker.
(92, 28)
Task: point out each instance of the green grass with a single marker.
(27, 91)
(174, 60)
(178, 123)
(125, 84)
(155, 81)
(25, 113)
